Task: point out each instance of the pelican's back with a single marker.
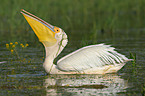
(90, 57)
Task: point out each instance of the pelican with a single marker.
(93, 59)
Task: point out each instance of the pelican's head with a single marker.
(49, 35)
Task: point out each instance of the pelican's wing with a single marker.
(90, 57)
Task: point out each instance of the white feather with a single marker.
(90, 57)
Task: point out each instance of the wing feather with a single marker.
(90, 57)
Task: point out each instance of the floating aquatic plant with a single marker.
(16, 52)
(13, 46)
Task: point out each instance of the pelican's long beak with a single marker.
(44, 31)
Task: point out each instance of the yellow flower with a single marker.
(11, 43)
(16, 43)
(7, 46)
(27, 45)
(24, 59)
(23, 46)
(13, 46)
(12, 50)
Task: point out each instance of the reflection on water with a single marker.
(109, 84)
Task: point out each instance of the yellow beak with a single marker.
(44, 31)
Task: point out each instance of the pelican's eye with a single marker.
(56, 29)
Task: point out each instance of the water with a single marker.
(26, 76)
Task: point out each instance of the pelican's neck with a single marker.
(51, 53)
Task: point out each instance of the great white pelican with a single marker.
(93, 59)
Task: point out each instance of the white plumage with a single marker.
(90, 57)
